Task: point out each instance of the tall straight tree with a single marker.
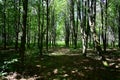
(119, 26)
(4, 25)
(47, 25)
(87, 26)
(72, 19)
(39, 23)
(67, 25)
(17, 22)
(82, 17)
(104, 22)
(23, 37)
(93, 31)
(67, 31)
(105, 36)
(53, 25)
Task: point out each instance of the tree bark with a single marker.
(82, 17)
(93, 31)
(4, 25)
(119, 28)
(47, 25)
(67, 32)
(39, 28)
(23, 37)
(17, 23)
(42, 32)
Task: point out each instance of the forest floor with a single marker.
(60, 64)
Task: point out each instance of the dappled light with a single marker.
(66, 67)
(69, 65)
(59, 39)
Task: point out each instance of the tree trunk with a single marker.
(93, 31)
(28, 32)
(47, 3)
(105, 40)
(54, 27)
(4, 25)
(39, 28)
(102, 20)
(119, 28)
(23, 37)
(67, 32)
(42, 33)
(17, 23)
(82, 17)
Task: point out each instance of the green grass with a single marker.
(60, 43)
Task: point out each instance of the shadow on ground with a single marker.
(63, 67)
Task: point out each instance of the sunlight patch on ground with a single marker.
(55, 71)
(60, 52)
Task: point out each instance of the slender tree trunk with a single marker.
(83, 20)
(42, 33)
(8, 37)
(88, 27)
(104, 29)
(4, 25)
(16, 24)
(67, 32)
(72, 19)
(19, 21)
(105, 36)
(53, 27)
(101, 4)
(23, 37)
(47, 25)
(119, 28)
(103, 32)
(93, 31)
(28, 33)
(39, 28)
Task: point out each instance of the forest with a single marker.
(59, 39)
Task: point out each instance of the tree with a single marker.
(104, 24)
(82, 13)
(119, 26)
(47, 24)
(23, 37)
(17, 22)
(53, 25)
(4, 25)
(39, 23)
(67, 31)
(93, 31)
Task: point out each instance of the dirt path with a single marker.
(58, 65)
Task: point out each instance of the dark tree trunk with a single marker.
(53, 27)
(39, 28)
(23, 37)
(119, 28)
(67, 32)
(72, 19)
(101, 4)
(104, 29)
(17, 23)
(88, 27)
(47, 25)
(42, 33)
(4, 25)
(105, 36)
(28, 32)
